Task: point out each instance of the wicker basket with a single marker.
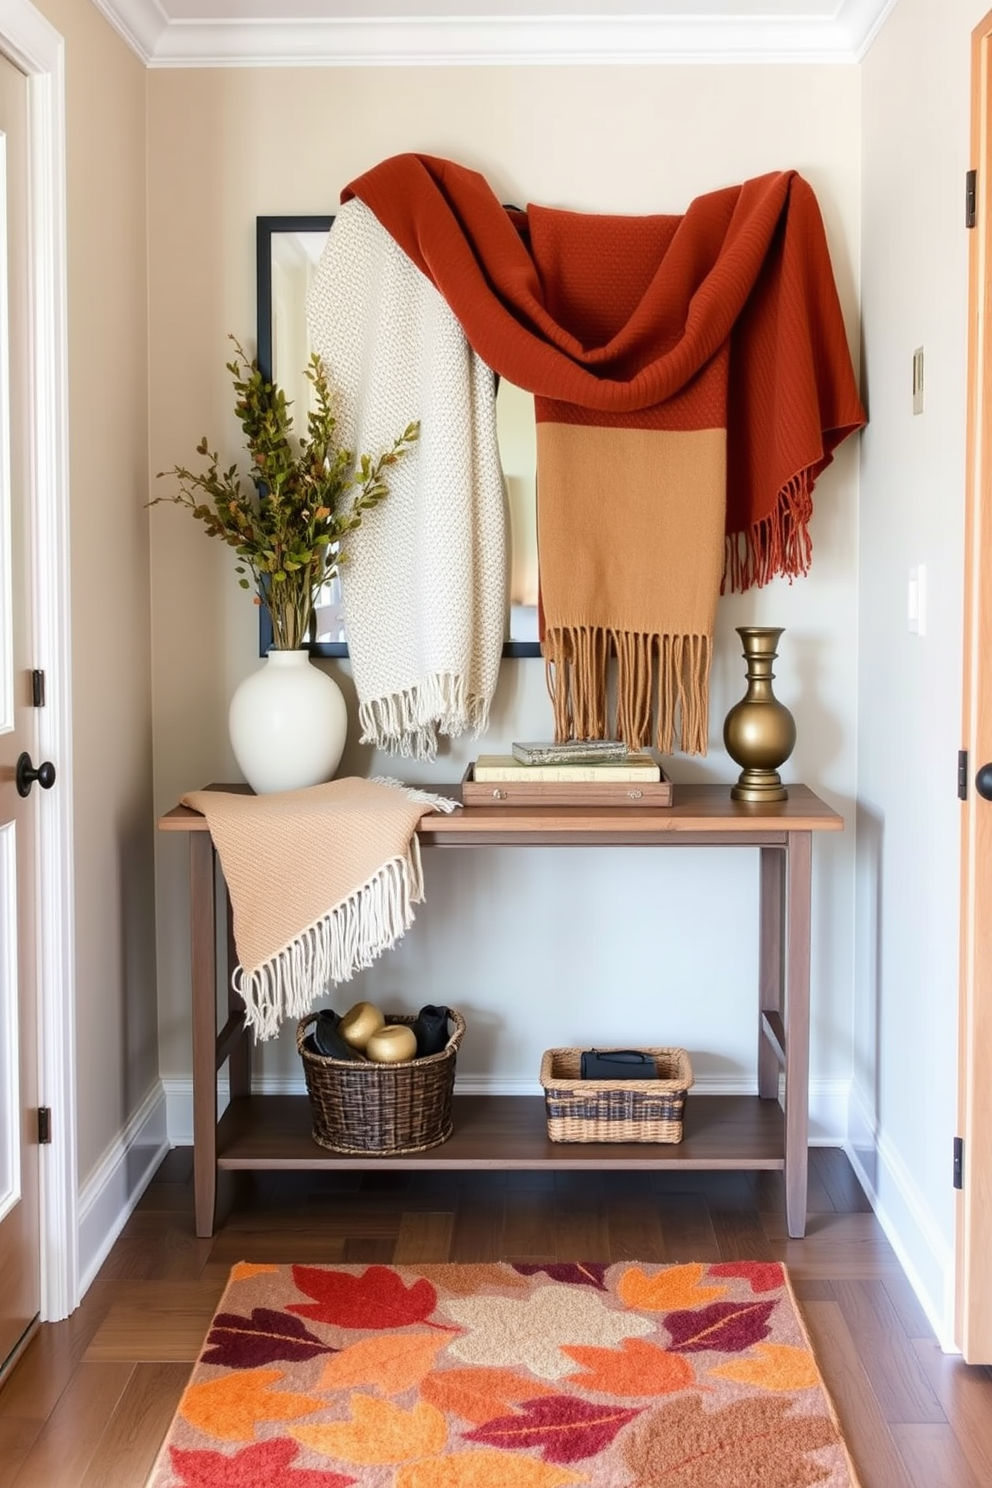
(359, 1106)
(615, 1110)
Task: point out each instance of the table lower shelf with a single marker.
(719, 1132)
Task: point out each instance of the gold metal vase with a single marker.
(759, 732)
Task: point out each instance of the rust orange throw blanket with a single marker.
(692, 379)
(506, 1376)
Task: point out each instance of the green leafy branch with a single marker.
(289, 524)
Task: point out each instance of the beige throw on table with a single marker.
(321, 882)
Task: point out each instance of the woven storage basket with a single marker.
(359, 1106)
(615, 1110)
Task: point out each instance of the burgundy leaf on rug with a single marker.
(506, 1376)
(268, 1334)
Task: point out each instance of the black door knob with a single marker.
(983, 782)
(27, 775)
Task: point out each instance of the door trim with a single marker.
(973, 1299)
(34, 45)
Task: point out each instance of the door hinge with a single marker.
(44, 1125)
(37, 689)
(962, 774)
(970, 193)
(958, 1163)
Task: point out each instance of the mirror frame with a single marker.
(265, 227)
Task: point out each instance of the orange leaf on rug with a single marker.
(506, 1376)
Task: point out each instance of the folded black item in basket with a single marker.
(430, 1028)
(326, 1040)
(617, 1064)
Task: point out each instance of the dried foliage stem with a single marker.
(289, 526)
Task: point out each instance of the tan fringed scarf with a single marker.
(691, 377)
(321, 882)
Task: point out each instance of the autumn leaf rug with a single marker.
(506, 1376)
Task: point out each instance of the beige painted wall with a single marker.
(670, 956)
(915, 286)
(108, 350)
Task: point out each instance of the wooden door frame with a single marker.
(29, 41)
(973, 1289)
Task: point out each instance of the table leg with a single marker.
(798, 928)
(203, 932)
(239, 1060)
(771, 970)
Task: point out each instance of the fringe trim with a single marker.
(779, 544)
(409, 722)
(345, 940)
(421, 797)
(663, 676)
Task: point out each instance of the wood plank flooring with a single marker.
(89, 1402)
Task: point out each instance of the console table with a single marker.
(511, 1131)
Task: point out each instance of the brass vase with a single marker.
(759, 732)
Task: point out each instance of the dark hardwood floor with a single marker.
(91, 1398)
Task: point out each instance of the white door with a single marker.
(20, 1250)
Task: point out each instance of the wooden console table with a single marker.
(511, 1131)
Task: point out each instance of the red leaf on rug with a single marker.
(378, 1299)
(586, 1273)
(764, 1276)
(760, 1440)
(246, 1342)
(729, 1326)
(562, 1428)
(265, 1462)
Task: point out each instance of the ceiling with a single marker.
(246, 33)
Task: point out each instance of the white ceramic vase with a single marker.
(288, 722)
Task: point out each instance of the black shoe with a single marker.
(325, 1037)
(431, 1029)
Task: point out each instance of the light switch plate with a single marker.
(916, 600)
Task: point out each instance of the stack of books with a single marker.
(580, 772)
(572, 752)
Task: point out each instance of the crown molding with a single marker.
(839, 33)
(142, 24)
(862, 20)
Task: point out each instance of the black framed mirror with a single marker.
(287, 250)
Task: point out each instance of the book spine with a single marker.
(561, 773)
(576, 753)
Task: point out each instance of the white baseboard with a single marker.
(113, 1188)
(828, 1100)
(178, 1092)
(902, 1211)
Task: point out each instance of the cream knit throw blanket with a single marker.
(424, 585)
(321, 882)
